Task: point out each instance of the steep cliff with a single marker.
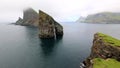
(58, 29)
(104, 47)
(104, 18)
(48, 27)
(30, 18)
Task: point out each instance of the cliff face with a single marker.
(104, 47)
(48, 27)
(30, 18)
(58, 29)
(104, 18)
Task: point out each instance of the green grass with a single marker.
(108, 63)
(109, 39)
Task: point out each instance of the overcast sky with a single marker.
(60, 10)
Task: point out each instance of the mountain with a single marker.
(30, 18)
(103, 17)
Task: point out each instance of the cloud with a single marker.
(61, 10)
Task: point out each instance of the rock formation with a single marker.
(30, 18)
(48, 27)
(103, 18)
(105, 48)
(58, 29)
(19, 21)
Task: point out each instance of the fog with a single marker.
(60, 10)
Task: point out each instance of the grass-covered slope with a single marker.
(109, 39)
(104, 17)
(108, 63)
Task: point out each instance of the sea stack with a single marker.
(30, 18)
(105, 52)
(48, 27)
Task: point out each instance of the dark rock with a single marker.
(58, 29)
(48, 27)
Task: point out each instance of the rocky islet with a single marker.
(48, 27)
(30, 18)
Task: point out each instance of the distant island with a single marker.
(102, 18)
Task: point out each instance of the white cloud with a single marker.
(61, 10)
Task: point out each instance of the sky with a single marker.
(60, 10)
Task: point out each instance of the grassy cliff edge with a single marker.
(109, 39)
(105, 52)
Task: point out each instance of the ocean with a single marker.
(20, 46)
